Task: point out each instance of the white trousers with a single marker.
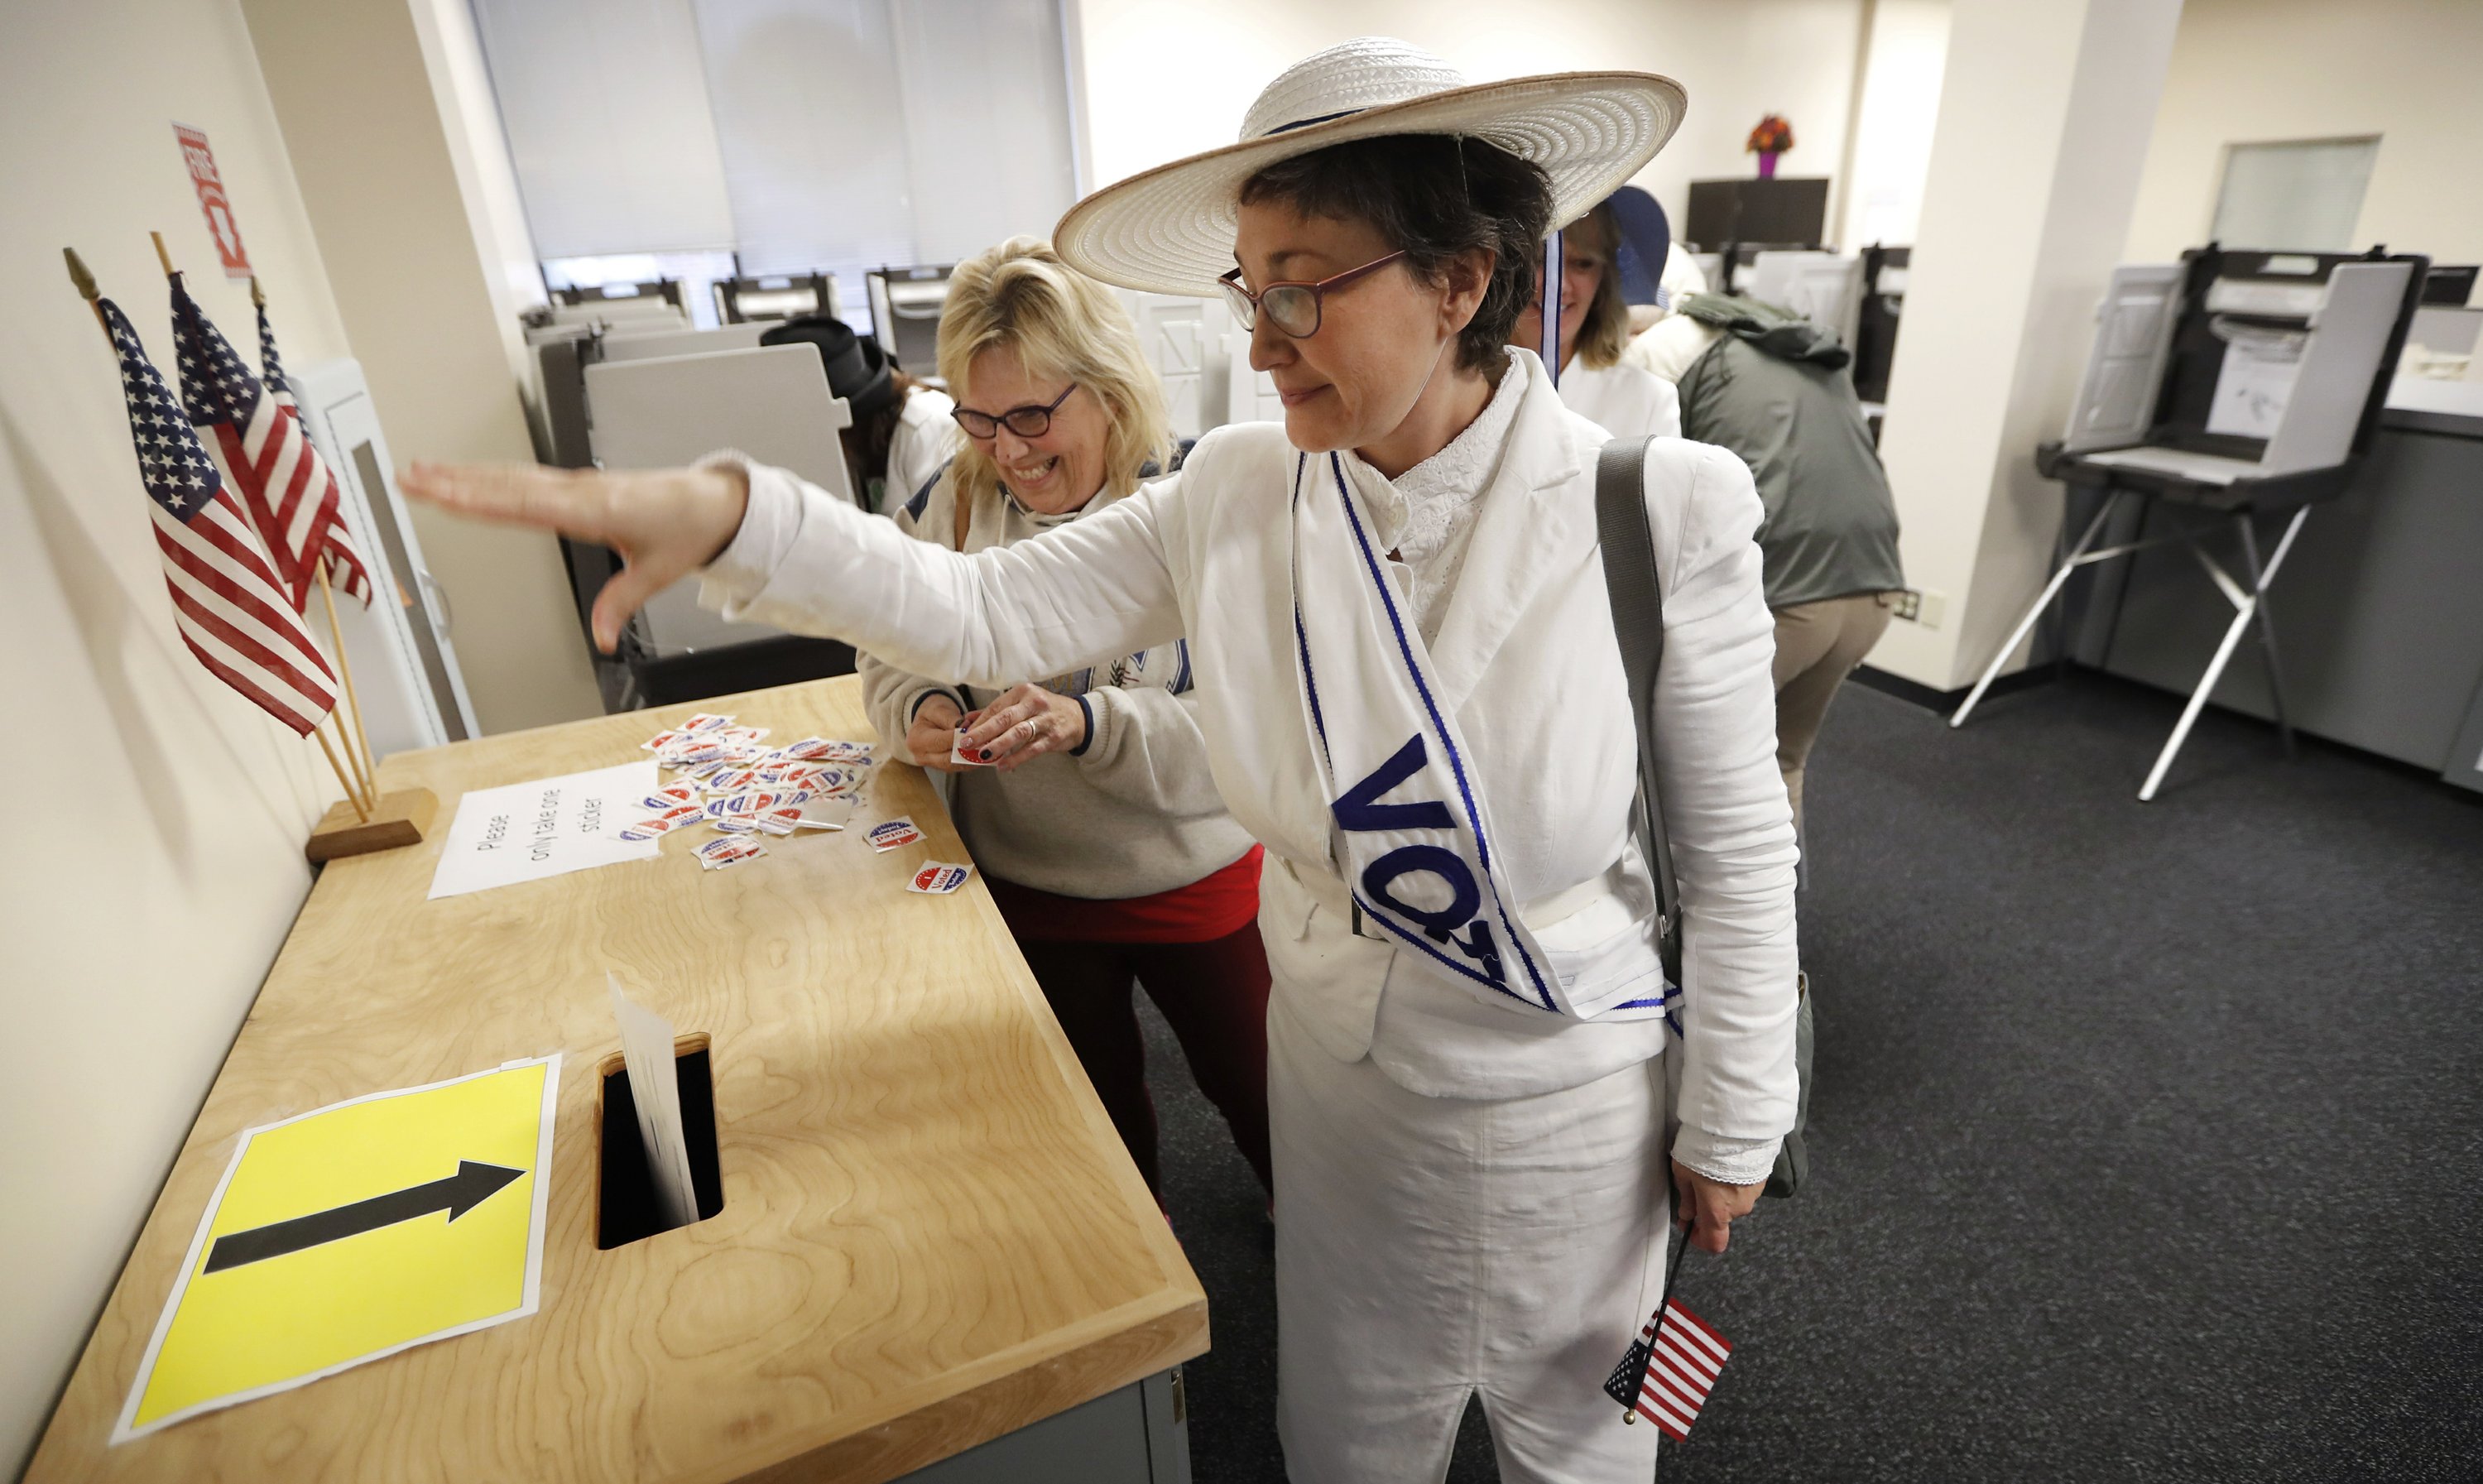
(1431, 1249)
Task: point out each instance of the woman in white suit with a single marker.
(1411, 691)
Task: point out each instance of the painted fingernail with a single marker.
(983, 755)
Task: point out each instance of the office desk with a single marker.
(931, 1237)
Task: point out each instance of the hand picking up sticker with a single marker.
(963, 758)
(939, 878)
(891, 833)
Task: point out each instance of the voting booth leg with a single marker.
(2248, 606)
(2267, 628)
(2078, 557)
(398, 819)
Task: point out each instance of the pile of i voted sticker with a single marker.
(729, 780)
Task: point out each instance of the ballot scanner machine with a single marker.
(632, 395)
(2227, 391)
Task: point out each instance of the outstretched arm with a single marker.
(777, 550)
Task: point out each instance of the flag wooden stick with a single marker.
(362, 787)
(345, 741)
(361, 811)
(162, 256)
(368, 766)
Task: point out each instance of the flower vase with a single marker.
(1768, 166)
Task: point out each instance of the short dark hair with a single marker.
(1436, 197)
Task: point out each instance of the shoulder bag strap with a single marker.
(1638, 623)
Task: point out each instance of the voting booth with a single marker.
(409, 1236)
(1825, 288)
(654, 394)
(2227, 389)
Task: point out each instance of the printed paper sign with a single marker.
(354, 1231)
(527, 831)
(213, 203)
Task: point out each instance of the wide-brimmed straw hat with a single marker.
(1170, 230)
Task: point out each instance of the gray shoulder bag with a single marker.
(1638, 623)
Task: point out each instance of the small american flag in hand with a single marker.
(1673, 1363)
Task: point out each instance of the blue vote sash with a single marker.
(1411, 823)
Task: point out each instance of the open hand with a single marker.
(1709, 1208)
(1026, 723)
(666, 523)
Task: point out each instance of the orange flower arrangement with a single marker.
(1773, 136)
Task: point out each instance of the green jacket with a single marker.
(1774, 389)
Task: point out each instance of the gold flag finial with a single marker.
(85, 282)
(258, 296)
(78, 273)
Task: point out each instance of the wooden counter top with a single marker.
(932, 1234)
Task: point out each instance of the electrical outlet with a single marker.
(1922, 607)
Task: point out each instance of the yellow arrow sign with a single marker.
(352, 1232)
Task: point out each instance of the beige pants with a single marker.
(1817, 645)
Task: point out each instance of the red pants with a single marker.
(1215, 996)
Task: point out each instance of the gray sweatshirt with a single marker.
(1135, 812)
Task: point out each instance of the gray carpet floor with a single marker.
(2147, 1138)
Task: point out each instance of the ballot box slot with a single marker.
(625, 1210)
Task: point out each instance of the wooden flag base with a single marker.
(400, 819)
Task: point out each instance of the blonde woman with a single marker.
(1626, 401)
(1092, 812)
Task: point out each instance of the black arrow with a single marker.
(471, 1187)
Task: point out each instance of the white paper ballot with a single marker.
(527, 831)
(2254, 384)
(656, 1089)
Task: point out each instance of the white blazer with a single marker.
(1625, 401)
(1526, 660)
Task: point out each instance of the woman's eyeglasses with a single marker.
(1031, 421)
(1291, 307)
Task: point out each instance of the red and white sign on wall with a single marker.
(212, 200)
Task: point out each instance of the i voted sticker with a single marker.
(939, 878)
(891, 833)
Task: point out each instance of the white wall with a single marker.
(135, 924)
(2248, 70)
(1162, 80)
(2042, 139)
(1892, 134)
(401, 199)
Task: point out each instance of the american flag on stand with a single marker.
(226, 601)
(1670, 1368)
(289, 489)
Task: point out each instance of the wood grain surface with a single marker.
(932, 1234)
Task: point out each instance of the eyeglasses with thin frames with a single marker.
(1293, 307)
(1031, 421)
